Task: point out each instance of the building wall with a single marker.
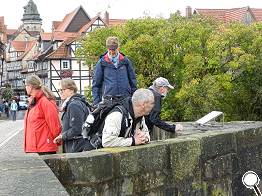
(80, 74)
(23, 36)
(78, 22)
(248, 19)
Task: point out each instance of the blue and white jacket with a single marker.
(111, 80)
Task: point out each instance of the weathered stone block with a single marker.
(218, 168)
(201, 162)
(221, 187)
(145, 182)
(60, 167)
(97, 166)
(216, 143)
(139, 159)
(250, 159)
(147, 165)
(83, 168)
(247, 138)
(185, 165)
(184, 157)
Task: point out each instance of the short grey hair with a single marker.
(142, 95)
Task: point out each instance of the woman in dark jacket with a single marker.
(75, 112)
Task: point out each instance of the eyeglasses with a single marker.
(113, 50)
(62, 89)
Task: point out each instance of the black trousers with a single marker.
(46, 153)
(77, 145)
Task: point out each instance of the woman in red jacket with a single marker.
(41, 122)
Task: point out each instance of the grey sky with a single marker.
(51, 10)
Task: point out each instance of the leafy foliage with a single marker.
(7, 93)
(214, 66)
(88, 94)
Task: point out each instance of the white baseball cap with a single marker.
(162, 82)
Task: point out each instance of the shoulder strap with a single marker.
(82, 103)
(124, 123)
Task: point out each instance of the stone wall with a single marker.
(203, 161)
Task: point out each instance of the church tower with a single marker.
(31, 18)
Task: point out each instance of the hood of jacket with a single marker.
(155, 91)
(106, 58)
(78, 97)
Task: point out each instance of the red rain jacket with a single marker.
(41, 125)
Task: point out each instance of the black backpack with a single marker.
(92, 131)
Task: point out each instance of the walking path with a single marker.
(8, 129)
(21, 173)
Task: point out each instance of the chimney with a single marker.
(106, 18)
(188, 12)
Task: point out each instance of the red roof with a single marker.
(29, 46)
(10, 31)
(66, 21)
(2, 23)
(58, 36)
(23, 46)
(115, 22)
(61, 52)
(234, 14)
(3, 37)
(56, 24)
(62, 25)
(88, 25)
(257, 13)
(19, 45)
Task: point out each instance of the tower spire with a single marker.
(31, 18)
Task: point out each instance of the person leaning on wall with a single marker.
(160, 88)
(135, 131)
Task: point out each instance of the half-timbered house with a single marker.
(58, 50)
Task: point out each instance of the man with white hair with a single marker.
(160, 88)
(125, 125)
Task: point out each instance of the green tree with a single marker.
(215, 66)
(7, 93)
(88, 94)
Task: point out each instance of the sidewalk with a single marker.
(20, 173)
(9, 129)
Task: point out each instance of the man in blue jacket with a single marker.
(114, 77)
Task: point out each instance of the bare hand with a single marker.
(140, 137)
(58, 139)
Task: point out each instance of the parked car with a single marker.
(24, 98)
(23, 105)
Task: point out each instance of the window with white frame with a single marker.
(65, 64)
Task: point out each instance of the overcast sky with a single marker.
(55, 10)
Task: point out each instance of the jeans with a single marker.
(13, 113)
